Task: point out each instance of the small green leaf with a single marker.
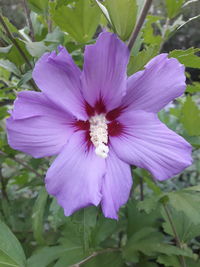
(105, 12)
(193, 88)
(138, 62)
(173, 7)
(25, 78)
(38, 6)
(190, 117)
(11, 252)
(187, 57)
(123, 14)
(36, 49)
(76, 19)
(37, 216)
(109, 259)
(6, 64)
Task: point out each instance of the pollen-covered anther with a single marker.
(99, 135)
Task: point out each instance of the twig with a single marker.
(29, 22)
(94, 254)
(164, 32)
(178, 242)
(21, 162)
(139, 24)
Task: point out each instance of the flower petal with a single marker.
(149, 144)
(162, 80)
(75, 177)
(36, 127)
(116, 185)
(104, 71)
(59, 79)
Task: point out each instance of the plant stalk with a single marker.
(29, 22)
(139, 24)
(177, 239)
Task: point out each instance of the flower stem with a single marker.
(139, 24)
(29, 22)
(177, 239)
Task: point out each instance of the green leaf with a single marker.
(123, 14)
(38, 6)
(138, 62)
(25, 78)
(193, 88)
(37, 216)
(46, 255)
(169, 261)
(11, 252)
(186, 202)
(149, 29)
(190, 117)
(36, 49)
(173, 7)
(187, 57)
(109, 259)
(6, 64)
(105, 13)
(185, 228)
(76, 19)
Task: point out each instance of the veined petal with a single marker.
(104, 71)
(59, 79)
(75, 177)
(149, 144)
(162, 80)
(116, 185)
(37, 127)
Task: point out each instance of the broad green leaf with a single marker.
(72, 257)
(6, 64)
(173, 7)
(185, 228)
(11, 252)
(187, 57)
(138, 62)
(38, 6)
(36, 49)
(109, 259)
(190, 117)
(80, 20)
(169, 261)
(44, 256)
(186, 202)
(38, 214)
(123, 14)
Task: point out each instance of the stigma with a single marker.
(99, 135)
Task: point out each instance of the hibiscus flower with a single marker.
(99, 122)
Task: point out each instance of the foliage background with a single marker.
(160, 225)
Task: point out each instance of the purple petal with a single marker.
(116, 185)
(104, 71)
(75, 177)
(36, 127)
(162, 80)
(149, 144)
(59, 79)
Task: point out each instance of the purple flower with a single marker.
(99, 122)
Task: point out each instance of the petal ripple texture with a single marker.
(119, 112)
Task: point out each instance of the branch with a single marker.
(30, 25)
(3, 186)
(139, 24)
(177, 239)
